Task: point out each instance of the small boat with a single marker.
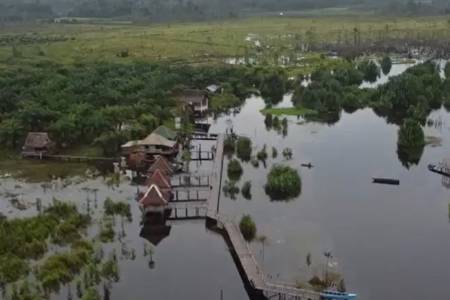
(308, 165)
(443, 170)
(333, 295)
(386, 181)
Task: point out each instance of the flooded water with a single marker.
(389, 242)
(190, 262)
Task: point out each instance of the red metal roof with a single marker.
(153, 197)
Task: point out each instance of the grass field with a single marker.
(267, 38)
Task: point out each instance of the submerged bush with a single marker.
(234, 170)
(274, 152)
(283, 183)
(244, 148)
(117, 208)
(248, 228)
(246, 190)
(287, 153)
(262, 154)
(230, 189)
(386, 65)
(229, 144)
(268, 120)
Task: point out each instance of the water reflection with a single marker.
(374, 231)
(155, 229)
(410, 157)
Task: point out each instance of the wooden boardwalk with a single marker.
(209, 209)
(216, 179)
(255, 275)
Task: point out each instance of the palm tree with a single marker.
(262, 239)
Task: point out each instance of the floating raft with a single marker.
(443, 170)
(386, 181)
(332, 295)
(308, 165)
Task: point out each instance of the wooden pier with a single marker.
(187, 182)
(196, 208)
(187, 211)
(199, 155)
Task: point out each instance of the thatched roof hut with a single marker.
(37, 143)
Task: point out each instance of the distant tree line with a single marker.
(167, 10)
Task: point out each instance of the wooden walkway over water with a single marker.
(252, 274)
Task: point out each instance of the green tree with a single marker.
(370, 70)
(247, 190)
(247, 227)
(244, 148)
(234, 170)
(283, 183)
(386, 65)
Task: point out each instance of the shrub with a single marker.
(386, 65)
(370, 70)
(230, 189)
(248, 228)
(283, 183)
(12, 268)
(234, 170)
(117, 208)
(244, 148)
(287, 153)
(107, 233)
(276, 122)
(274, 152)
(255, 162)
(262, 155)
(268, 120)
(246, 190)
(229, 144)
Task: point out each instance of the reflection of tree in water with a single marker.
(409, 156)
(329, 118)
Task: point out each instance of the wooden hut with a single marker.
(153, 201)
(162, 181)
(162, 141)
(37, 144)
(161, 164)
(197, 100)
